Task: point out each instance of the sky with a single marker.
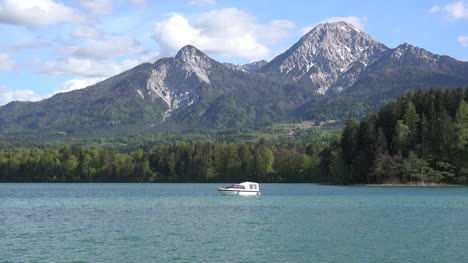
(53, 46)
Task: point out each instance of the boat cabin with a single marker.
(250, 186)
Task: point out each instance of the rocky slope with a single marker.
(333, 72)
(330, 56)
(400, 70)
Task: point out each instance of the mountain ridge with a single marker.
(333, 71)
(325, 53)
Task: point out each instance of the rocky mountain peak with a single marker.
(410, 55)
(330, 28)
(177, 80)
(193, 61)
(407, 48)
(326, 54)
(188, 52)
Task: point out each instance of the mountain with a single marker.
(329, 57)
(179, 80)
(127, 103)
(400, 70)
(186, 91)
(333, 72)
(114, 103)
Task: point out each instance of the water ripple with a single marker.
(192, 223)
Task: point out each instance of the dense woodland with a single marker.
(421, 137)
(174, 162)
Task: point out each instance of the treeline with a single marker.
(171, 162)
(421, 137)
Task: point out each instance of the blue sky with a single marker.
(51, 46)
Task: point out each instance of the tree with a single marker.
(84, 169)
(310, 169)
(445, 134)
(288, 165)
(349, 140)
(70, 168)
(461, 118)
(461, 154)
(402, 138)
(263, 164)
(339, 171)
(411, 119)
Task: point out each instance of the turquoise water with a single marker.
(192, 223)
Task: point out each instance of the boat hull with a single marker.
(238, 192)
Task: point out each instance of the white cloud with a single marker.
(463, 40)
(113, 46)
(39, 12)
(75, 84)
(276, 30)
(87, 32)
(201, 3)
(81, 67)
(7, 63)
(456, 10)
(25, 46)
(227, 32)
(7, 96)
(175, 32)
(358, 22)
(88, 68)
(97, 6)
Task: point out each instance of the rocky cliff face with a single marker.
(331, 56)
(177, 80)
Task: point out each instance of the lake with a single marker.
(193, 223)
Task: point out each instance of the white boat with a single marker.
(245, 188)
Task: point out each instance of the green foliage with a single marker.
(420, 138)
(401, 139)
(349, 140)
(288, 164)
(169, 162)
(462, 122)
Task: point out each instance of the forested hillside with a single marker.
(420, 138)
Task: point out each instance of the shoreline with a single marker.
(412, 185)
